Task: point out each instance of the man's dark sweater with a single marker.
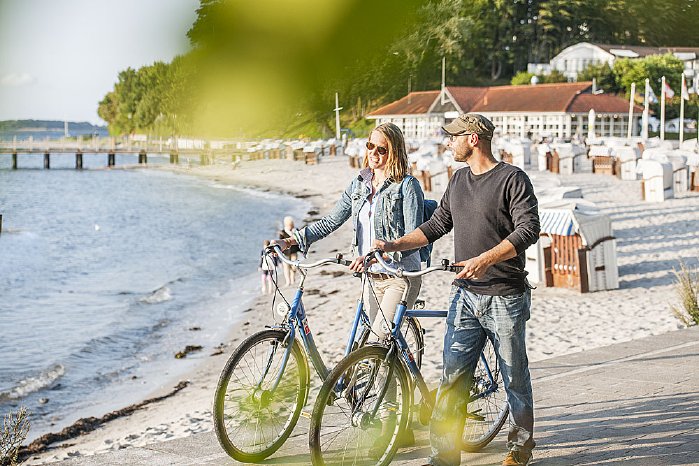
(484, 210)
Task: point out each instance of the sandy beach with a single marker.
(651, 238)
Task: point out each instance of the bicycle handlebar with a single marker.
(336, 260)
(399, 272)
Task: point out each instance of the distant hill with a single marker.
(48, 125)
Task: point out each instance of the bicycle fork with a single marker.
(262, 397)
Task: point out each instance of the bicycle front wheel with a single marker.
(488, 409)
(412, 331)
(252, 416)
(360, 423)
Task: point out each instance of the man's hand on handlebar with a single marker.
(385, 246)
(474, 268)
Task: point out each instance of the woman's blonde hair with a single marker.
(397, 163)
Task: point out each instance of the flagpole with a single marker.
(629, 131)
(444, 81)
(662, 109)
(646, 112)
(682, 88)
(337, 118)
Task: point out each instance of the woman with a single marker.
(384, 202)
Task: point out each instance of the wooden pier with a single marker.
(206, 152)
(204, 157)
(110, 148)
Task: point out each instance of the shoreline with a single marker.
(198, 378)
(563, 321)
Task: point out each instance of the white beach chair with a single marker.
(583, 248)
(680, 170)
(566, 159)
(657, 180)
(690, 145)
(581, 162)
(627, 157)
(535, 263)
(541, 152)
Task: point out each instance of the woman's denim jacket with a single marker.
(399, 210)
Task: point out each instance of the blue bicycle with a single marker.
(265, 382)
(366, 401)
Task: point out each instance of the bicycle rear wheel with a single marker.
(488, 410)
(252, 419)
(361, 424)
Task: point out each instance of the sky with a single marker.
(58, 58)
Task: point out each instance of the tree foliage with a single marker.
(273, 68)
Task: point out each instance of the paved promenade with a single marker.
(631, 403)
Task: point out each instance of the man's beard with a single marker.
(468, 151)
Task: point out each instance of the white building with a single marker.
(575, 58)
(546, 110)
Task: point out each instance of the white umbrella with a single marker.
(591, 124)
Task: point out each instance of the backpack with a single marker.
(429, 206)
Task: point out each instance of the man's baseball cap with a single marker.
(471, 123)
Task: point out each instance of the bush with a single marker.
(14, 431)
(687, 288)
(554, 77)
(521, 78)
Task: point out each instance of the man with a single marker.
(492, 208)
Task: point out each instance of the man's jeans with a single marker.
(471, 319)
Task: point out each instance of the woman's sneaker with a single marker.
(517, 458)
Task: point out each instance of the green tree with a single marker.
(554, 76)
(272, 68)
(653, 67)
(108, 109)
(604, 76)
(521, 78)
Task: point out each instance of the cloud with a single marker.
(16, 79)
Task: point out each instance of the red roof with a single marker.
(540, 98)
(602, 103)
(557, 97)
(413, 103)
(467, 97)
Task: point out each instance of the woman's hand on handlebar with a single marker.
(357, 264)
(283, 244)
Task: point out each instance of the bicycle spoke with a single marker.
(489, 402)
(361, 425)
(255, 416)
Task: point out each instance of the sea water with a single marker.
(106, 274)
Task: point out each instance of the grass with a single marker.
(15, 428)
(687, 287)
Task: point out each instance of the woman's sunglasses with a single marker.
(380, 149)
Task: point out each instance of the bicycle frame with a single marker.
(297, 320)
(402, 345)
(401, 313)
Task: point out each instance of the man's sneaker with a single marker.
(517, 458)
